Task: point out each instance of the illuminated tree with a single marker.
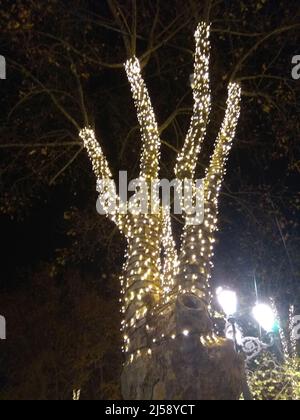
(278, 379)
(170, 346)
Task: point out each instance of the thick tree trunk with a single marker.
(171, 351)
(195, 366)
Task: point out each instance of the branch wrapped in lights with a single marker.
(108, 197)
(142, 285)
(149, 129)
(99, 162)
(217, 167)
(198, 241)
(190, 275)
(188, 158)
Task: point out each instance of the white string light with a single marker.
(171, 262)
(198, 241)
(293, 339)
(188, 158)
(149, 129)
(151, 280)
(103, 173)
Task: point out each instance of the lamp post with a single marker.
(250, 346)
(265, 317)
(262, 313)
(229, 303)
(227, 300)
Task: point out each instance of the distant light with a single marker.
(185, 333)
(227, 300)
(265, 316)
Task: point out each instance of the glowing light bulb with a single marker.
(265, 316)
(227, 300)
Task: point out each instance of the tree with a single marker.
(275, 375)
(61, 50)
(171, 349)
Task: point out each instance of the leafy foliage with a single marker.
(274, 382)
(62, 336)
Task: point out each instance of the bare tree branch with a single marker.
(258, 44)
(187, 159)
(67, 165)
(122, 22)
(48, 91)
(147, 121)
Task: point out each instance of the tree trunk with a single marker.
(171, 350)
(195, 366)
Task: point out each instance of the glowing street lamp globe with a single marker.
(265, 316)
(227, 300)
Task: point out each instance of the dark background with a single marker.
(60, 261)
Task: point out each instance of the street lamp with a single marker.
(265, 317)
(229, 303)
(227, 300)
(261, 312)
(251, 346)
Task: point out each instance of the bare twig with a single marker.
(207, 10)
(145, 57)
(48, 91)
(80, 91)
(66, 166)
(134, 28)
(122, 22)
(258, 44)
(39, 145)
(172, 117)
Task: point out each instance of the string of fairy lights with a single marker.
(210, 340)
(109, 198)
(171, 261)
(141, 282)
(188, 157)
(293, 340)
(151, 142)
(196, 259)
(287, 338)
(141, 286)
(151, 280)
